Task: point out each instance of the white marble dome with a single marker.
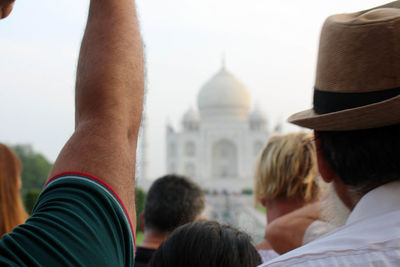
(224, 97)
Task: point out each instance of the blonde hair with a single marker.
(287, 169)
(12, 211)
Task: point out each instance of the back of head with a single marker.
(287, 169)
(172, 201)
(356, 104)
(363, 159)
(206, 243)
(12, 211)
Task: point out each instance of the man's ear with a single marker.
(327, 174)
(141, 218)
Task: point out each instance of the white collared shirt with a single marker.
(370, 237)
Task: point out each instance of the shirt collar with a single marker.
(383, 199)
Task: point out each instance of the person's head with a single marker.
(206, 243)
(356, 110)
(172, 201)
(6, 7)
(12, 211)
(287, 169)
(362, 159)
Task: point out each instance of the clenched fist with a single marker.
(5, 8)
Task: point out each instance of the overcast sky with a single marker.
(270, 46)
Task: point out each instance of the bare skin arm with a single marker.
(286, 233)
(109, 98)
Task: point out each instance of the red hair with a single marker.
(12, 211)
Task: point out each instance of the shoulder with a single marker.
(267, 254)
(316, 229)
(75, 213)
(356, 244)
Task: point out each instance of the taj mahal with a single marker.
(221, 140)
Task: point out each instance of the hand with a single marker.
(6, 7)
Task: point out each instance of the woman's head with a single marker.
(287, 169)
(12, 211)
(206, 243)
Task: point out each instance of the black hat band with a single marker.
(327, 102)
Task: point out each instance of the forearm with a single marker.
(286, 232)
(110, 80)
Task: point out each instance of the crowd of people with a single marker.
(332, 196)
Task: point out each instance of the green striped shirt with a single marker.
(78, 220)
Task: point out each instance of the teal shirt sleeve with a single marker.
(77, 221)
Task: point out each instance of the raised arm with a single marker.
(109, 97)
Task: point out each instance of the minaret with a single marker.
(144, 147)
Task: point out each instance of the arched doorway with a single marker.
(224, 159)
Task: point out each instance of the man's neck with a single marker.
(346, 194)
(152, 240)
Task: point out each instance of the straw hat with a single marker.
(358, 72)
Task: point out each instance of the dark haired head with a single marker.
(363, 159)
(206, 243)
(172, 201)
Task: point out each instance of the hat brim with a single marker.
(375, 115)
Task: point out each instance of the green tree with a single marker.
(35, 168)
(30, 198)
(247, 191)
(140, 199)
